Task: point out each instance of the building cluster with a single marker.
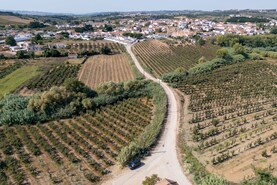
(153, 28)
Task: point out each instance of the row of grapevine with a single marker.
(233, 112)
(87, 145)
(162, 58)
(53, 77)
(97, 47)
(9, 69)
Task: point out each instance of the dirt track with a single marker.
(163, 160)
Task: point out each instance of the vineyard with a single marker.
(14, 78)
(103, 68)
(8, 67)
(6, 63)
(162, 58)
(74, 151)
(233, 124)
(96, 47)
(55, 76)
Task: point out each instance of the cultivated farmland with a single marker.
(95, 46)
(103, 68)
(8, 67)
(233, 124)
(55, 76)
(6, 20)
(160, 58)
(13, 80)
(73, 151)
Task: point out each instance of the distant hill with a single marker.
(10, 19)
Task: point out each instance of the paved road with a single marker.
(163, 160)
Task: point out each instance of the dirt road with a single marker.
(163, 160)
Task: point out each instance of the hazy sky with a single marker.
(89, 6)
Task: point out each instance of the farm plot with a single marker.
(96, 47)
(103, 68)
(6, 20)
(233, 124)
(7, 67)
(13, 80)
(73, 151)
(6, 63)
(161, 58)
(55, 76)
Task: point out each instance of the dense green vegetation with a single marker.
(134, 35)
(10, 41)
(249, 41)
(246, 19)
(35, 24)
(86, 28)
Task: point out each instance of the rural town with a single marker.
(158, 94)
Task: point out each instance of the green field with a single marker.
(12, 81)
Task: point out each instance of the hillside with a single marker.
(232, 124)
(160, 58)
(10, 20)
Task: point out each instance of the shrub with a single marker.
(209, 66)
(151, 180)
(213, 180)
(238, 58)
(255, 56)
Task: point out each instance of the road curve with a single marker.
(163, 160)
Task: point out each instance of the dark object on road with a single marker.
(134, 164)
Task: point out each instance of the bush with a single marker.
(10, 41)
(151, 180)
(110, 88)
(36, 25)
(133, 35)
(52, 53)
(255, 56)
(106, 50)
(174, 77)
(213, 180)
(238, 58)
(209, 66)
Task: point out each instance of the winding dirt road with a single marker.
(163, 160)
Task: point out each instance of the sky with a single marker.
(91, 6)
